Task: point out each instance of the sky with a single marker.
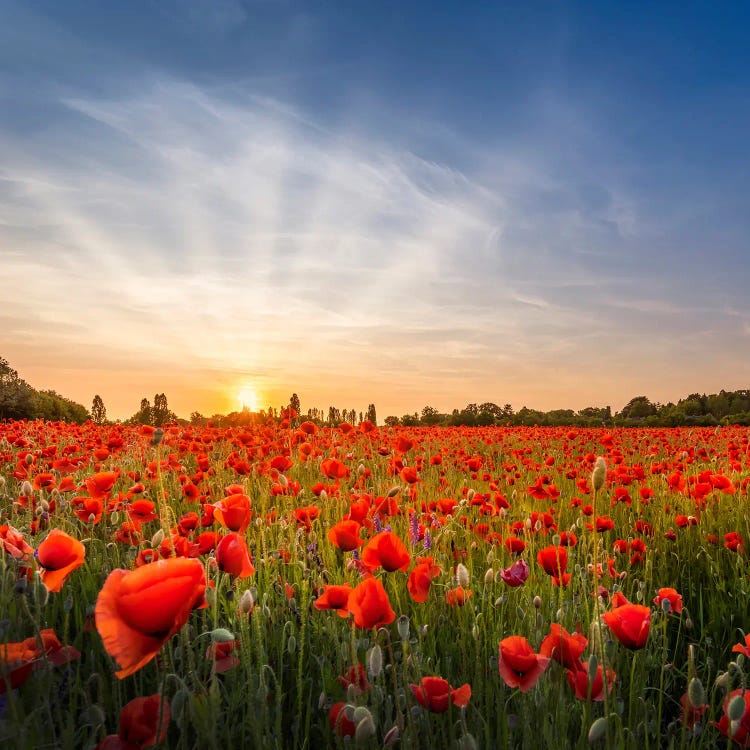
(404, 204)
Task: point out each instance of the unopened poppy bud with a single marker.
(489, 576)
(393, 491)
(44, 505)
(26, 488)
(462, 575)
(365, 728)
(375, 661)
(470, 494)
(157, 538)
(291, 644)
(29, 459)
(491, 556)
(114, 517)
(156, 438)
(246, 603)
(666, 605)
(696, 693)
(537, 602)
(392, 736)
(599, 474)
(361, 469)
(92, 518)
(221, 635)
(722, 681)
(598, 729)
(283, 480)
(402, 624)
(467, 742)
(736, 708)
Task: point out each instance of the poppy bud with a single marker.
(156, 438)
(393, 491)
(375, 661)
(696, 693)
(29, 461)
(221, 635)
(291, 644)
(598, 729)
(26, 488)
(392, 736)
(736, 708)
(247, 602)
(489, 576)
(402, 624)
(537, 602)
(157, 538)
(599, 474)
(462, 575)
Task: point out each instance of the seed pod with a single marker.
(736, 708)
(375, 661)
(221, 635)
(696, 693)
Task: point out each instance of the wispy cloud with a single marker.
(180, 232)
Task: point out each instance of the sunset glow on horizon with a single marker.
(233, 202)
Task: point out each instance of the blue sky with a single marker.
(400, 203)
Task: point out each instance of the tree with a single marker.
(294, 403)
(392, 421)
(160, 413)
(638, 408)
(143, 415)
(430, 416)
(371, 414)
(98, 410)
(15, 394)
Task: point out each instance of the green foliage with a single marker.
(18, 400)
(98, 410)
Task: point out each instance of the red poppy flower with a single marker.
(345, 535)
(233, 512)
(563, 647)
(457, 597)
(435, 694)
(12, 542)
(630, 624)
(421, 578)
(740, 733)
(336, 598)
(88, 509)
(340, 722)
(356, 676)
(138, 611)
(99, 485)
(233, 556)
(369, 604)
(223, 655)
(58, 556)
(143, 723)
(518, 665)
(578, 679)
(740, 649)
(142, 511)
(671, 595)
(333, 469)
(387, 550)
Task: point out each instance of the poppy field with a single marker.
(285, 585)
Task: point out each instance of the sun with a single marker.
(248, 398)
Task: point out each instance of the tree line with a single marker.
(18, 400)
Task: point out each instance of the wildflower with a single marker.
(138, 611)
(518, 665)
(58, 556)
(369, 604)
(670, 595)
(563, 647)
(586, 688)
(143, 723)
(336, 598)
(345, 535)
(421, 577)
(387, 550)
(630, 624)
(516, 574)
(233, 556)
(436, 695)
